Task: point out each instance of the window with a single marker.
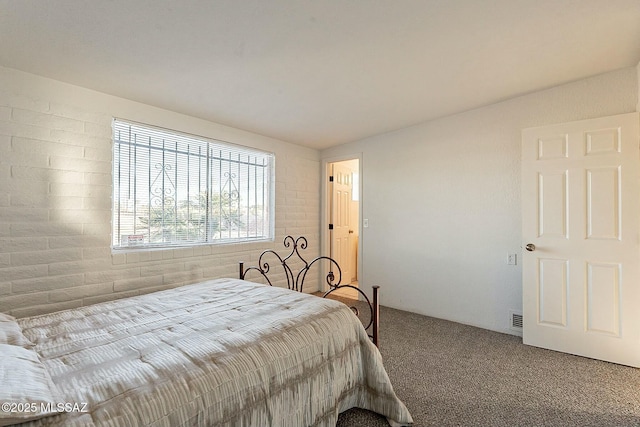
(173, 189)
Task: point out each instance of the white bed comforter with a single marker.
(219, 353)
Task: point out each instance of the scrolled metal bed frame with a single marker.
(295, 281)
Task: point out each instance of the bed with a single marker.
(224, 352)
(295, 268)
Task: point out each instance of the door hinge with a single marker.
(331, 178)
(330, 226)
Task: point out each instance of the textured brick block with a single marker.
(43, 229)
(79, 292)
(144, 291)
(46, 283)
(22, 159)
(47, 120)
(198, 251)
(45, 174)
(108, 297)
(79, 165)
(118, 259)
(138, 257)
(18, 186)
(11, 99)
(97, 253)
(31, 200)
(83, 266)
(45, 257)
(34, 146)
(217, 271)
(97, 203)
(76, 242)
(78, 189)
(77, 113)
(97, 229)
(72, 138)
(158, 269)
(22, 244)
(79, 216)
(183, 253)
(14, 214)
(295, 216)
(5, 176)
(103, 179)
(98, 129)
(67, 305)
(9, 304)
(182, 277)
(25, 272)
(5, 113)
(34, 310)
(39, 200)
(104, 154)
(64, 202)
(137, 283)
(5, 144)
(5, 289)
(197, 265)
(111, 275)
(24, 131)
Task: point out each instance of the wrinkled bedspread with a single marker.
(219, 353)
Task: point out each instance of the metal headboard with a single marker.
(295, 281)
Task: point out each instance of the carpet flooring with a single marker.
(449, 374)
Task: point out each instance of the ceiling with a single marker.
(319, 73)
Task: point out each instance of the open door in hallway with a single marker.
(344, 218)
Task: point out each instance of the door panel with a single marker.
(603, 298)
(341, 219)
(603, 203)
(581, 210)
(553, 206)
(552, 292)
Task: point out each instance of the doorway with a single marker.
(343, 218)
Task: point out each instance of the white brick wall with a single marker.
(55, 200)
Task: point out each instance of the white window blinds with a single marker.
(174, 189)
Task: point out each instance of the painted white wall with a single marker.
(443, 201)
(55, 200)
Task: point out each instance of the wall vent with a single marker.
(515, 321)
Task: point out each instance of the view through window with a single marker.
(175, 189)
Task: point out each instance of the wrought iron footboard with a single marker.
(295, 281)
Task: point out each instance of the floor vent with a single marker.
(516, 321)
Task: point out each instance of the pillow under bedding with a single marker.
(27, 392)
(11, 333)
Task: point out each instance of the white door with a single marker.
(341, 220)
(581, 211)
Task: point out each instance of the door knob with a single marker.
(350, 231)
(530, 247)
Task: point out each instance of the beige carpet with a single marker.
(450, 374)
